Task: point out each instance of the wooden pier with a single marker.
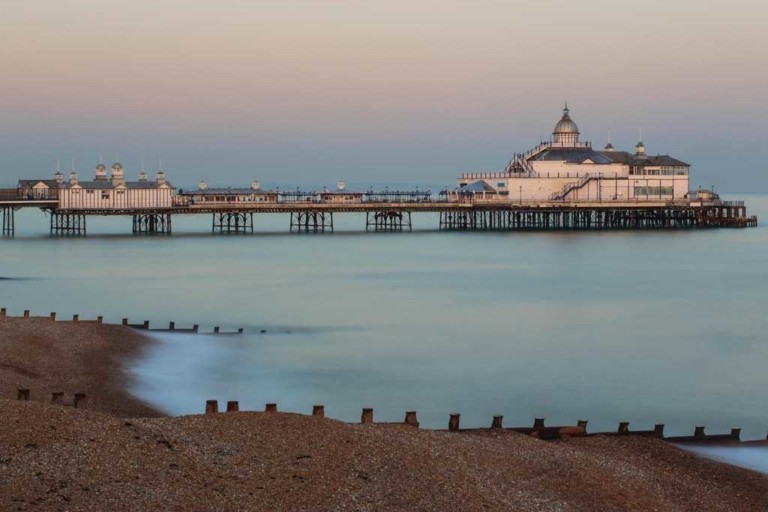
(393, 213)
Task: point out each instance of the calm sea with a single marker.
(646, 326)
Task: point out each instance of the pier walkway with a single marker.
(394, 215)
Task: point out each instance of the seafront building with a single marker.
(566, 169)
(103, 192)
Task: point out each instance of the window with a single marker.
(653, 191)
(89, 192)
(104, 194)
(501, 184)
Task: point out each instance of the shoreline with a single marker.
(72, 357)
(119, 451)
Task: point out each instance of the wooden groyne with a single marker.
(144, 326)
(538, 430)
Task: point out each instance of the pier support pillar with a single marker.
(388, 221)
(67, 223)
(232, 222)
(311, 222)
(9, 220)
(152, 223)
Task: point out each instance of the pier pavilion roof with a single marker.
(32, 183)
(227, 191)
(572, 156)
(624, 157)
(107, 185)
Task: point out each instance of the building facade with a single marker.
(566, 169)
(104, 192)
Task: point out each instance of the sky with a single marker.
(307, 91)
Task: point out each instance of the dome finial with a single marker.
(566, 107)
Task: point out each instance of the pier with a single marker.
(393, 211)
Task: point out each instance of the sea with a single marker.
(640, 326)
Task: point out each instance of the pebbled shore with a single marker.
(107, 458)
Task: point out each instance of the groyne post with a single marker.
(582, 424)
(195, 328)
(26, 313)
(658, 429)
(23, 394)
(100, 319)
(497, 422)
(453, 422)
(410, 419)
(3, 311)
(125, 321)
(171, 326)
(146, 324)
(80, 401)
(75, 318)
(211, 406)
(270, 408)
(233, 406)
(699, 432)
(53, 316)
(624, 427)
(367, 417)
(318, 410)
(216, 330)
(57, 397)
(538, 423)
(736, 434)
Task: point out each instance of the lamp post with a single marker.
(521, 194)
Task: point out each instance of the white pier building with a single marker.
(566, 169)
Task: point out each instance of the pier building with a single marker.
(567, 169)
(560, 184)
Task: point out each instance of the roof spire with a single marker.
(142, 164)
(58, 168)
(73, 165)
(566, 106)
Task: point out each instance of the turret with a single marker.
(340, 186)
(256, 185)
(202, 185)
(609, 147)
(160, 177)
(59, 178)
(73, 178)
(118, 174)
(143, 177)
(640, 149)
(566, 132)
(101, 173)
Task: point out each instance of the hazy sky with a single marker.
(391, 91)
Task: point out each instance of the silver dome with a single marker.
(565, 124)
(117, 166)
(101, 167)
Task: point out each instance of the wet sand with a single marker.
(105, 458)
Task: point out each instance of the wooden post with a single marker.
(57, 397)
(211, 406)
(497, 422)
(23, 394)
(26, 313)
(146, 324)
(453, 422)
(367, 417)
(195, 328)
(582, 424)
(318, 410)
(53, 316)
(79, 401)
(216, 330)
(271, 408)
(75, 318)
(623, 427)
(240, 330)
(233, 406)
(698, 432)
(538, 423)
(125, 321)
(658, 429)
(100, 319)
(3, 311)
(171, 326)
(410, 419)
(736, 434)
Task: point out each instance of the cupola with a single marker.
(58, 177)
(202, 185)
(73, 178)
(256, 185)
(160, 177)
(101, 173)
(566, 132)
(118, 174)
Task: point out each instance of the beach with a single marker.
(120, 454)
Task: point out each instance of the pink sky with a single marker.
(428, 89)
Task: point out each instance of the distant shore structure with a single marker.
(566, 169)
(561, 184)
